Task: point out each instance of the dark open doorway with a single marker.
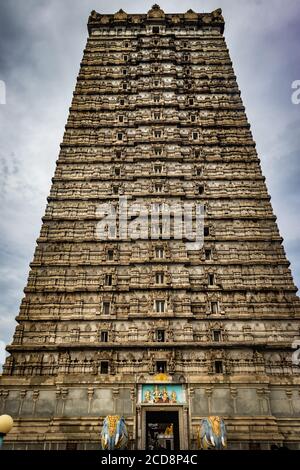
(162, 430)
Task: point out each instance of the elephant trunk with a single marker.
(118, 432)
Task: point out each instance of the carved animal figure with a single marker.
(114, 433)
(212, 433)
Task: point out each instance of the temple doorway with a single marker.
(162, 430)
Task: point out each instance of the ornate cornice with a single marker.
(158, 16)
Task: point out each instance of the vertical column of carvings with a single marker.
(158, 58)
(245, 257)
(207, 95)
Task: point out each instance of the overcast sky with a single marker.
(41, 45)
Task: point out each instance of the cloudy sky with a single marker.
(41, 44)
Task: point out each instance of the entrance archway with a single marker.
(162, 430)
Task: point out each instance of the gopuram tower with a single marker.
(150, 327)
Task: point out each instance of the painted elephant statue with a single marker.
(212, 433)
(114, 433)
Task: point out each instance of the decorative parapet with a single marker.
(158, 16)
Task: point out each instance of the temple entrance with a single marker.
(162, 430)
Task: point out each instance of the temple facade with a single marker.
(154, 328)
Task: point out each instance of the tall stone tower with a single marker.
(145, 327)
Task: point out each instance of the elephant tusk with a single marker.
(206, 444)
(117, 439)
(212, 440)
